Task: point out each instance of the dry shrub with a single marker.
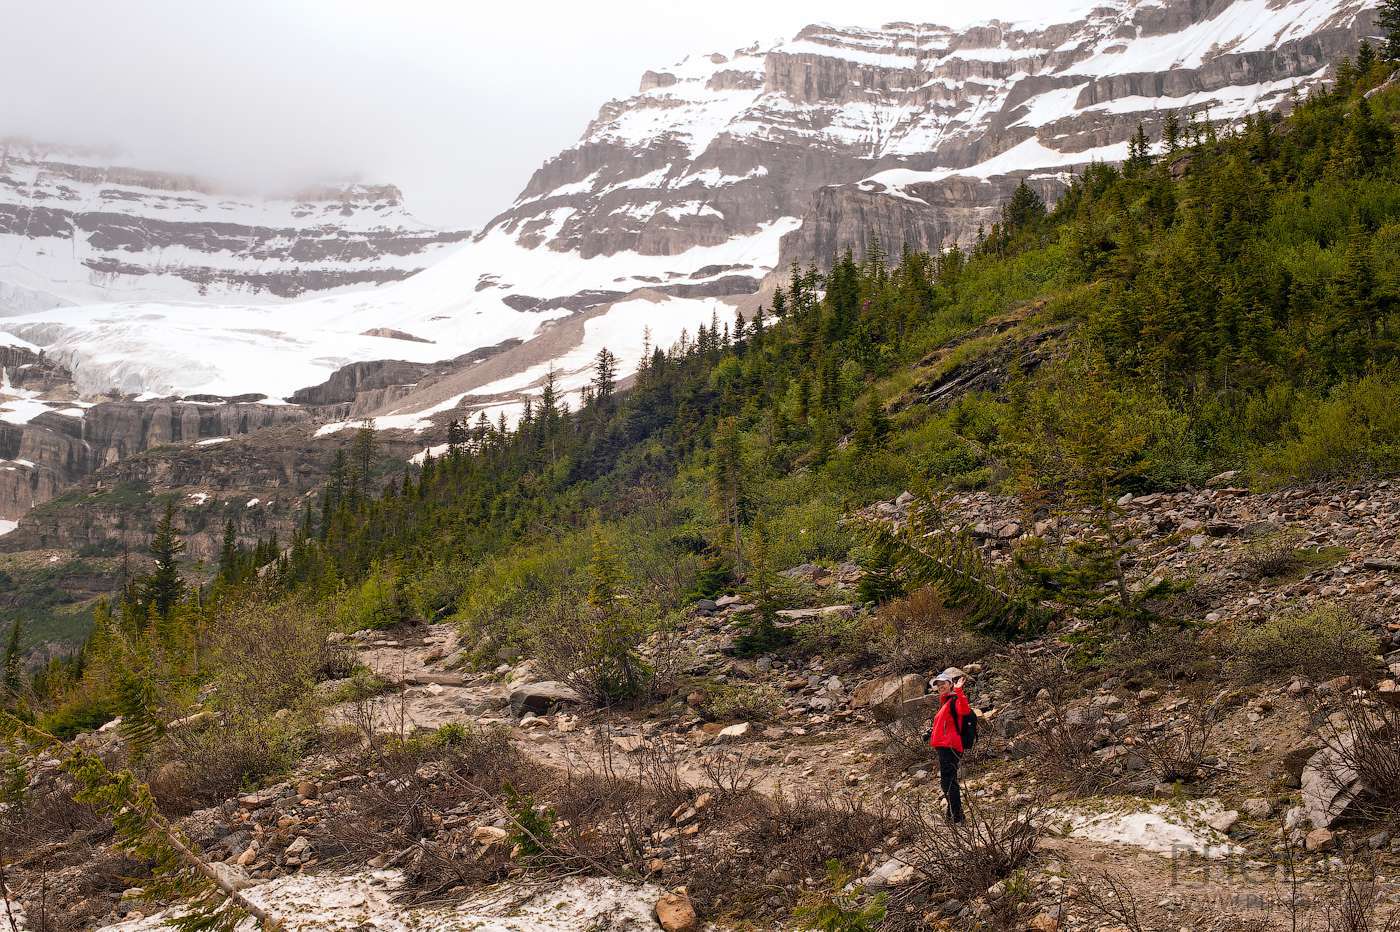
(905, 744)
(772, 843)
(1320, 642)
(201, 765)
(1176, 746)
(595, 650)
(402, 813)
(1109, 902)
(1064, 751)
(1165, 653)
(266, 656)
(1023, 671)
(1271, 555)
(1363, 734)
(962, 861)
(1358, 902)
(919, 632)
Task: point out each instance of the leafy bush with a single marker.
(1353, 432)
(750, 702)
(381, 600)
(1319, 643)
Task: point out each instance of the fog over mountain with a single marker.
(457, 103)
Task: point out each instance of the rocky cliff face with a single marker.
(78, 227)
(47, 445)
(923, 130)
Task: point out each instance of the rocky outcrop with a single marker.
(60, 447)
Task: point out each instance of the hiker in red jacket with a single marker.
(946, 737)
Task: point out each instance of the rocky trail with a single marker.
(1207, 853)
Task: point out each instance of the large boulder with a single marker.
(1331, 787)
(885, 695)
(541, 697)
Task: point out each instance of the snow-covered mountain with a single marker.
(80, 227)
(676, 204)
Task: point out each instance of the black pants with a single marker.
(948, 761)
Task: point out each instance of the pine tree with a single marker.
(727, 483)
(1171, 132)
(164, 587)
(362, 450)
(228, 553)
(604, 377)
(13, 671)
(873, 430)
(1365, 59)
(1024, 208)
(1388, 19)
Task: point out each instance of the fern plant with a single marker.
(925, 553)
(837, 907)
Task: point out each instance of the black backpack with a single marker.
(967, 727)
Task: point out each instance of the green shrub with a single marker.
(748, 702)
(1320, 643)
(1354, 432)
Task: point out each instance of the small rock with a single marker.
(675, 913)
(1319, 839)
(1225, 821)
(1257, 808)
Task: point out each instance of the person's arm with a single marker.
(964, 707)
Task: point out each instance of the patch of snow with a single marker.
(6, 525)
(212, 441)
(365, 901)
(1161, 828)
(9, 339)
(1242, 26)
(251, 502)
(435, 451)
(198, 498)
(21, 410)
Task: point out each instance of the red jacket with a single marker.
(946, 733)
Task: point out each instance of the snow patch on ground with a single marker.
(6, 525)
(1163, 828)
(364, 901)
(212, 441)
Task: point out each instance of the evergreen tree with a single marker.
(1365, 59)
(727, 483)
(873, 430)
(1024, 208)
(13, 671)
(362, 451)
(604, 376)
(164, 587)
(1171, 132)
(1388, 19)
(228, 553)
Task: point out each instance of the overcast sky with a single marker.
(456, 101)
